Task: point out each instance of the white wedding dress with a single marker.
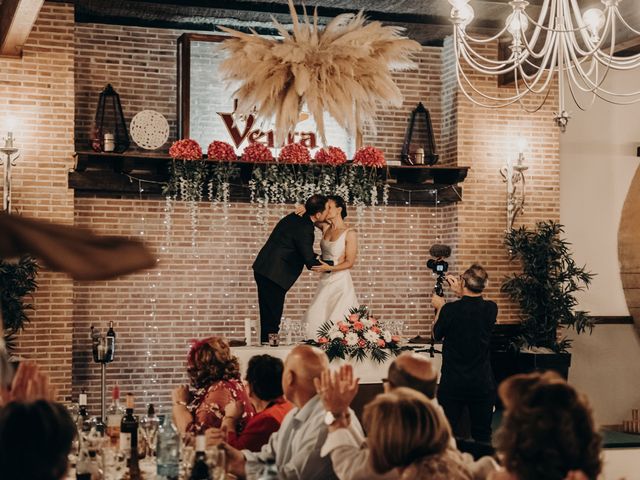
(335, 294)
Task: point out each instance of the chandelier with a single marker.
(577, 46)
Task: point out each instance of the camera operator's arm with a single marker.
(440, 325)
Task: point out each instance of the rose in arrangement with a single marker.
(257, 153)
(369, 157)
(185, 149)
(221, 151)
(358, 336)
(294, 153)
(334, 156)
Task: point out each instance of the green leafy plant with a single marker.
(545, 289)
(17, 282)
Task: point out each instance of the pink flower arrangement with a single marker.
(357, 336)
(330, 156)
(185, 149)
(257, 153)
(221, 151)
(294, 153)
(369, 157)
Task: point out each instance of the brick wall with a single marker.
(486, 139)
(157, 312)
(36, 102)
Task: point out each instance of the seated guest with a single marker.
(215, 383)
(349, 451)
(35, 440)
(467, 379)
(547, 432)
(409, 433)
(264, 386)
(295, 448)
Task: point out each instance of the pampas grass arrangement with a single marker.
(343, 69)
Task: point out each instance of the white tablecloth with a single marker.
(367, 371)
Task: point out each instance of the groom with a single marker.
(280, 262)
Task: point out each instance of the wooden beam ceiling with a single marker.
(17, 18)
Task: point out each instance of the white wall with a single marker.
(598, 161)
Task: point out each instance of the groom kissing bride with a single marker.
(290, 248)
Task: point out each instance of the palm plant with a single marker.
(545, 289)
(17, 282)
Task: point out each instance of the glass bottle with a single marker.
(111, 343)
(149, 426)
(168, 448)
(129, 439)
(200, 469)
(115, 412)
(83, 422)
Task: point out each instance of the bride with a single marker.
(335, 294)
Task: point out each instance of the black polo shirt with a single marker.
(466, 325)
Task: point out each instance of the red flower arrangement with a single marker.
(294, 153)
(256, 153)
(185, 149)
(221, 151)
(331, 156)
(369, 157)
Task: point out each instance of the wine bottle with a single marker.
(95, 341)
(111, 343)
(83, 423)
(200, 469)
(115, 412)
(168, 447)
(129, 430)
(83, 462)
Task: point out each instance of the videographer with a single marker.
(466, 325)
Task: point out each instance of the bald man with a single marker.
(295, 448)
(348, 450)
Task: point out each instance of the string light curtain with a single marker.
(577, 46)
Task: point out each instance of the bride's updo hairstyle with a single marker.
(339, 201)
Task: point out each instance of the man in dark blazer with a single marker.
(280, 262)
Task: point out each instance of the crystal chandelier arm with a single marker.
(625, 23)
(482, 40)
(491, 67)
(522, 105)
(531, 43)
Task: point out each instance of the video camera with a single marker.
(439, 266)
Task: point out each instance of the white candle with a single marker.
(247, 331)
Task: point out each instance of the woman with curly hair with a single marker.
(547, 432)
(215, 389)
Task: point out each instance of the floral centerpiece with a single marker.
(358, 336)
(223, 155)
(333, 156)
(294, 153)
(369, 157)
(257, 153)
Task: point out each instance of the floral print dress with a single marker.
(208, 404)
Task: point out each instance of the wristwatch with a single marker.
(330, 418)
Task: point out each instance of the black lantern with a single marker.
(109, 132)
(423, 149)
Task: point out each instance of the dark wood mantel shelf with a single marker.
(113, 173)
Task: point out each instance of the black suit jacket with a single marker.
(288, 249)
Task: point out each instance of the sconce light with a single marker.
(8, 150)
(513, 176)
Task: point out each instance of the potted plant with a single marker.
(17, 281)
(545, 292)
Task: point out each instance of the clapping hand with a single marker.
(337, 389)
(28, 384)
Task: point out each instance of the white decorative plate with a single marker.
(149, 129)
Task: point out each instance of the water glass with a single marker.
(217, 460)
